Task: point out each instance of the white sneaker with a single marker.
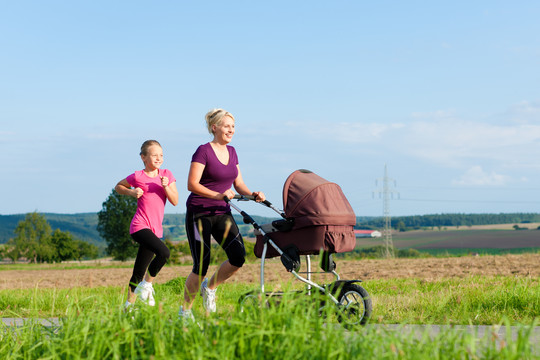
(186, 316)
(128, 307)
(145, 292)
(209, 297)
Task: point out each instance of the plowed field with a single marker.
(525, 265)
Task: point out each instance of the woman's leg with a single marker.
(225, 271)
(198, 231)
(227, 231)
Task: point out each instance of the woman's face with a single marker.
(224, 132)
(154, 157)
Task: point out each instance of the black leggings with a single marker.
(149, 244)
(200, 227)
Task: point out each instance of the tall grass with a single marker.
(474, 300)
(291, 330)
(93, 325)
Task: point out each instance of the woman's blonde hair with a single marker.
(214, 117)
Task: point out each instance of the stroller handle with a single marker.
(247, 198)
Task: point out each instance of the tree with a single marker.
(66, 248)
(32, 240)
(113, 225)
(85, 250)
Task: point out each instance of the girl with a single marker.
(214, 169)
(151, 187)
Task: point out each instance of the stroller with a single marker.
(317, 220)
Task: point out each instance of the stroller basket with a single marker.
(319, 218)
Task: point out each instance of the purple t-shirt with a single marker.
(150, 206)
(216, 176)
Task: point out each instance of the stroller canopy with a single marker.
(312, 200)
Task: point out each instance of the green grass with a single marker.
(94, 327)
(291, 330)
(474, 300)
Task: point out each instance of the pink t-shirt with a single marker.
(150, 206)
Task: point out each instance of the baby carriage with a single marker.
(316, 219)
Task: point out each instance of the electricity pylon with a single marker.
(386, 193)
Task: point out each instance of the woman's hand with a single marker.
(259, 196)
(229, 193)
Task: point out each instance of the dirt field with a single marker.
(526, 265)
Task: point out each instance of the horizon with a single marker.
(253, 214)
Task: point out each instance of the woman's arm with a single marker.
(123, 188)
(242, 188)
(194, 184)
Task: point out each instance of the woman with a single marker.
(152, 188)
(214, 169)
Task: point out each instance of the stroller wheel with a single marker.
(252, 301)
(354, 306)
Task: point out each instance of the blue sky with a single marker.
(445, 95)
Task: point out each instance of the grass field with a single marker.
(94, 327)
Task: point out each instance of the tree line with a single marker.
(36, 242)
(440, 220)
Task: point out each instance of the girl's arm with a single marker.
(123, 188)
(170, 190)
(242, 188)
(194, 184)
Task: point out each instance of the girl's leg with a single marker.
(150, 244)
(143, 259)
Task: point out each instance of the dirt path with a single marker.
(527, 265)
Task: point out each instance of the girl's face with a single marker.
(153, 158)
(224, 132)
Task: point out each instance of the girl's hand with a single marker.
(259, 196)
(164, 181)
(138, 192)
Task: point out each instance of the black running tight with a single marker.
(149, 245)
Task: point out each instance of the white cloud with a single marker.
(524, 112)
(476, 176)
(454, 142)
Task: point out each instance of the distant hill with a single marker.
(84, 225)
(81, 226)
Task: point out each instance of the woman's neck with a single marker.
(218, 144)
